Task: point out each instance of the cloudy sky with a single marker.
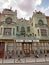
(25, 8)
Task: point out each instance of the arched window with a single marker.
(22, 30)
(40, 22)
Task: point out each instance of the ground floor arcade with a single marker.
(13, 49)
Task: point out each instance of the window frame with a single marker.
(43, 32)
(5, 32)
(28, 29)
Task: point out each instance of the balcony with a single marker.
(7, 34)
(22, 32)
(24, 35)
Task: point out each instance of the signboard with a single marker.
(35, 40)
(28, 40)
(23, 40)
(19, 40)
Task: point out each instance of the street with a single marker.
(25, 60)
(46, 63)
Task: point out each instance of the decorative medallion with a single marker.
(8, 20)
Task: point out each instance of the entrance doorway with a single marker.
(2, 46)
(27, 47)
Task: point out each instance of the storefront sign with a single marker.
(19, 40)
(28, 40)
(35, 40)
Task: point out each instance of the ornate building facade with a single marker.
(20, 37)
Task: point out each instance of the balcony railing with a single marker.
(44, 25)
(7, 33)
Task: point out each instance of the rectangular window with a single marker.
(38, 32)
(7, 31)
(43, 32)
(17, 28)
(28, 29)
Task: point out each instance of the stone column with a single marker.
(5, 51)
(38, 48)
(45, 49)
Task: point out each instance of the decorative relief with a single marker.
(8, 20)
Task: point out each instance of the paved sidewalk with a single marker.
(24, 60)
(45, 63)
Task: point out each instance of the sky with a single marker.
(25, 8)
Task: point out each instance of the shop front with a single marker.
(27, 48)
(5, 47)
(21, 48)
(2, 47)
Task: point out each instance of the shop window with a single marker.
(10, 47)
(10, 51)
